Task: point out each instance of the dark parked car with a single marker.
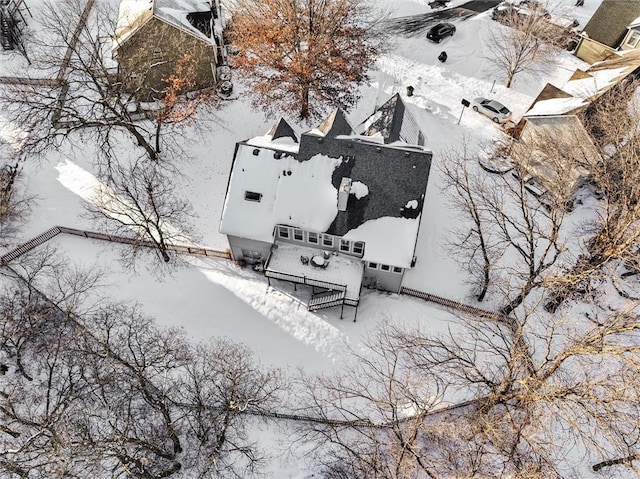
(440, 31)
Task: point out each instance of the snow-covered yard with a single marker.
(213, 297)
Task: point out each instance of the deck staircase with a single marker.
(12, 21)
(326, 299)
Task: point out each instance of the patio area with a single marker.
(312, 264)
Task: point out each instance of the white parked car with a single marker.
(493, 109)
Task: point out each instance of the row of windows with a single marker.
(346, 246)
(384, 267)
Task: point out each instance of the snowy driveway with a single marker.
(416, 24)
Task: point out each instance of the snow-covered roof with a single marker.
(556, 106)
(284, 143)
(134, 13)
(553, 148)
(296, 184)
(597, 80)
(291, 192)
(387, 240)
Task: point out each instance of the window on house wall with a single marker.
(632, 39)
(358, 247)
(345, 245)
(385, 267)
(298, 235)
(283, 231)
(313, 238)
(327, 240)
(396, 269)
(252, 196)
(372, 265)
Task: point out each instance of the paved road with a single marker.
(416, 24)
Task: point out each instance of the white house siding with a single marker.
(240, 247)
(289, 234)
(378, 276)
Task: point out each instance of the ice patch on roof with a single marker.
(359, 189)
(388, 240)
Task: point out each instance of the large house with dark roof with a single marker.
(615, 26)
(152, 36)
(330, 208)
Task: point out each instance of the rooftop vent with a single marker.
(343, 194)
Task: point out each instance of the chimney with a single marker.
(343, 194)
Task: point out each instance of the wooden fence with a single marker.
(56, 230)
(452, 304)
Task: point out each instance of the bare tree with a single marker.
(86, 100)
(371, 415)
(138, 200)
(514, 240)
(222, 385)
(105, 392)
(613, 236)
(14, 205)
(525, 42)
(473, 246)
(304, 55)
(485, 399)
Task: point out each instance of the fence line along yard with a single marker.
(453, 304)
(56, 230)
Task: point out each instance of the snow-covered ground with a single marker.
(217, 298)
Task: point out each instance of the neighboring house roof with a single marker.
(585, 87)
(132, 14)
(556, 106)
(608, 25)
(393, 122)
(299, 183)
(554, 149)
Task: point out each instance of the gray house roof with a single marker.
(608, 25)
(299, 186)
(395, 177)
(394, 123)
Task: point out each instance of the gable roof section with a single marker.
(335, 124)
(393, 122)
(608, 25)
(282, 129)
(132, 14)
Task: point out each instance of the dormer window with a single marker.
(633, 38)
(252, 196)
